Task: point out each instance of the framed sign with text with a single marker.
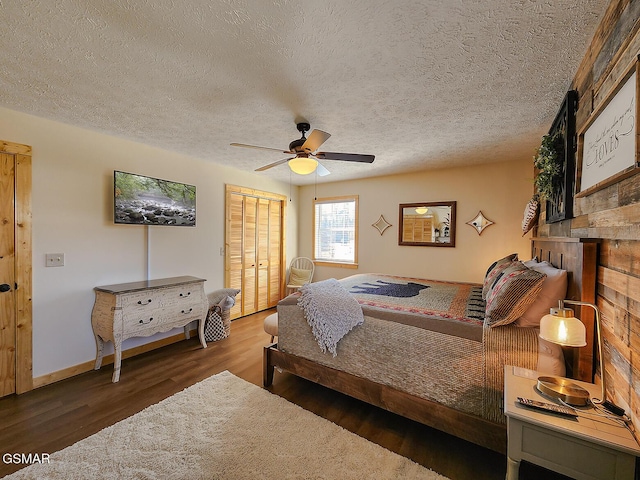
(608, 143)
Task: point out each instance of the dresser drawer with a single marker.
(186, 314)
(182, 295)
(139, 299)
(135, 322)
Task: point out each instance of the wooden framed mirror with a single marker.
(427, 224)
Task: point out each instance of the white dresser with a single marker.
(140, 309)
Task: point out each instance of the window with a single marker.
(335, 236)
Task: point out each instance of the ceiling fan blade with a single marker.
(313, 142)
(260, 148)
(322, 171)
(347, 157)
(274, 164)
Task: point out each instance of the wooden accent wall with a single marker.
(613, 213)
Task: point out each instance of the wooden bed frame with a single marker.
(576, 256)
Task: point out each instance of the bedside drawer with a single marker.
(563, 453)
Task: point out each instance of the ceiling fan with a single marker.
(306, 156)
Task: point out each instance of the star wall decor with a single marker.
(381, 224)
(480, 222)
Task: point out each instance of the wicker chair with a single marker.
(300, 272)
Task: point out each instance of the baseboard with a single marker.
(107, 360)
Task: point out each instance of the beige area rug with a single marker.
(225, 428)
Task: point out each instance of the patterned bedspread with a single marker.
(455, 308)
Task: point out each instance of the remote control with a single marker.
(547, 407)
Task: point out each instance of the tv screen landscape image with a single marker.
(141, 200)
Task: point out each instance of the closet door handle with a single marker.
(5, 287)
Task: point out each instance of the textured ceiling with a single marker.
(420, 84)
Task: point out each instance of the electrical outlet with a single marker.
(55, 259)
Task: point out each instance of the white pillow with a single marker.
(554, 288)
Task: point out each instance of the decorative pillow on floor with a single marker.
(512, 293)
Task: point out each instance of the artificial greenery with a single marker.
(549, 162)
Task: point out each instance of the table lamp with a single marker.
(562, 327)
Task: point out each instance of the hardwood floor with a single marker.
(55, 416)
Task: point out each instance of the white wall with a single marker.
(500, 190)
(73, 214)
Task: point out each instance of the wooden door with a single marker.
(234, 249)
(262, 237)
(408, 224)
(249, 260)
(15, 269)
(276, 278)
(417, 229)
(254, 239)
(7, 277)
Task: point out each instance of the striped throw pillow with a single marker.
(512, 293)
(493, 271)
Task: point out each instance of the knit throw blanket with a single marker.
(331, 312)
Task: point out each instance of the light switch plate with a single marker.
(55, 259)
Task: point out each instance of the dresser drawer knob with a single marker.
(145, 323)
(183, 295)
(146, 303)
(187, 311)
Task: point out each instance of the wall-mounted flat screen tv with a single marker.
(141, 200)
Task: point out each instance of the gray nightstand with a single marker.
(586, 448)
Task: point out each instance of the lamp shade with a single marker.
(303, 165)
(421, 210)
(561, 327)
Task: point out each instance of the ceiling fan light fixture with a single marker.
(303, 165)
(306, 152)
